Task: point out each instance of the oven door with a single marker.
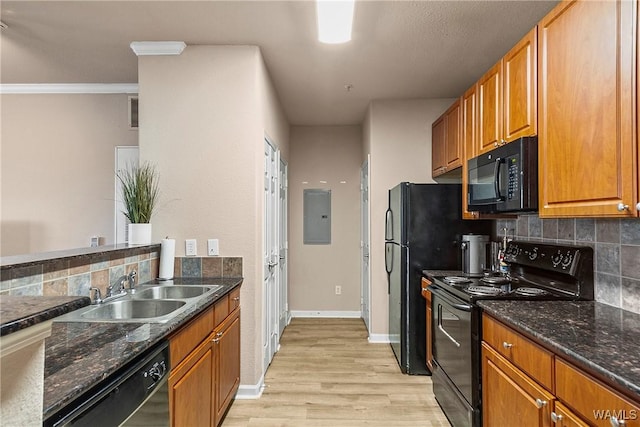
(453, 355)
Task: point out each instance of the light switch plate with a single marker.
(190, 248)
(213, 248)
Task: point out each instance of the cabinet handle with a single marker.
(219, 334)
(215, 340)
(623, 207)
(507, 345)
(555, 417)
(541, 403)
(236, 298)
(615, 422)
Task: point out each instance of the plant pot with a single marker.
(139, 234)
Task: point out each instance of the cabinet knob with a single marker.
(623, 207)
(495, 144)
(507, 345)
(541, 403)
(615, 422)
(555, 417)
(215, 340)
(219, 334)
(236, 298)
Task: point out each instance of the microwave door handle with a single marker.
(496, 179)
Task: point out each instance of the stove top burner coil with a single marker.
(530, 292)
(456, 279)
(495, 280)
(484, 290)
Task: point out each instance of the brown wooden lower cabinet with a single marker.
(509, 396)
(227, 369)
(190, 390)
(426, 294)
(203, 383)
(517, 391)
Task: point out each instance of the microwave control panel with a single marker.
(513, 189)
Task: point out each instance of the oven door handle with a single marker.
(442, 294)
(448, 335)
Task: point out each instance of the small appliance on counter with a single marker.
(474, 254)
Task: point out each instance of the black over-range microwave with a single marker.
(505, 179)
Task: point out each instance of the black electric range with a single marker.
(536, 271)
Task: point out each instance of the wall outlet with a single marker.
(213, 248)
(338, 290)
(191, 247)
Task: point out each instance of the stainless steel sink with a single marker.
(133, 309)
(174, 292)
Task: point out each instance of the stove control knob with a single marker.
(556, 259)
(533, 254)
(566, 261)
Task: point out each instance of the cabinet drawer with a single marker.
(591, 399)
(221, 310)
(426, 294)
(234, 299)
(188, 338)
(522, 352)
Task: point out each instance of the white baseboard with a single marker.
(251, 391)
(379, 339)
(337, 314)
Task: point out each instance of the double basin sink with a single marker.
(156, 304)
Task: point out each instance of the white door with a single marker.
(125, 157)
(365, 294)
(271, 256)
(283, 307)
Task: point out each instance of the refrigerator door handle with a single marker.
(388, 231)
(388, 257)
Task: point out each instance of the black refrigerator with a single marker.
(423, 231)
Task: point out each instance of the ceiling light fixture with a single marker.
(335, 19)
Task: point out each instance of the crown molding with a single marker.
(78, 88)
(157, 48)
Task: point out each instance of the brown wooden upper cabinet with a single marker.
(469, 137)
(588, 164)
(446, 145)
(507, 103)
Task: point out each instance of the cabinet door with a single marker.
(453, 146)
(490, 109)
(191, 391)
(586, 104)
(520, 89)
(469, 138)
(227, 349)
(426, 294)
(510, 397)
(438, 132)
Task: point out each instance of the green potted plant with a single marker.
(139, 187)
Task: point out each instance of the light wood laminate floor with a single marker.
(327, 374)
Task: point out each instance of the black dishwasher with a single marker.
(137, 395)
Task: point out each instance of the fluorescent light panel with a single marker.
(335, 19)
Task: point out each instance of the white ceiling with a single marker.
(400, 49)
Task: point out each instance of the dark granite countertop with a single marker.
(602, 339)
(78, 355)
(19, 312)
(440, 273)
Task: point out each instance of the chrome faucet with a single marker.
(132, 279)
(117, 289)
(98, 297)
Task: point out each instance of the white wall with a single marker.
(58, 175)
(398, 135)
(203, 118)
(332, 154)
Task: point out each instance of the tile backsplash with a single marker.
(74, 276)
(616, 245)
(208, 267)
